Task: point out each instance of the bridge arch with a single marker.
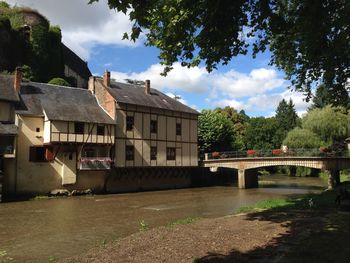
(245, 166)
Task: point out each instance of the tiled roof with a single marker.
(133, 94)
(7, 91)
(61, 103)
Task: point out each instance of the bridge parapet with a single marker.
(314, 152)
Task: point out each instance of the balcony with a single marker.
(94, 163)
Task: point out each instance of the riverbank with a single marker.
(303, 229)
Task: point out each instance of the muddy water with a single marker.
(35, 231)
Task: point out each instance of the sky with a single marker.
(94, 32)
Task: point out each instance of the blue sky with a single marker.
(94, 32)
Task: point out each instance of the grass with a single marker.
(143, 226)
(183, 221)
(323, 200)
(4, 258)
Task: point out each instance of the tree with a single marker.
(299, 138)
(238, 120)
(286, 118)
(329, 123)
(260, 133)
(307, 39)
(329, 96)
(59, 82)
(215, 132)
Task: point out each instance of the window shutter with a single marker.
(49, 156)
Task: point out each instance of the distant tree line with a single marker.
(226, 129)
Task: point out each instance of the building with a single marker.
(8, 130)
(75, 68)
(64, 140)
(112, 137)
(152, 129)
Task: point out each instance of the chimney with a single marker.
(147, 87)
(107, 78)
(91, 84)
(18, 79)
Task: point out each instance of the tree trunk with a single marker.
(333, 179)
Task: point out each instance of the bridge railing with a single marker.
(314, 152)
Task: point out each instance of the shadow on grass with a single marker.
(317, 232)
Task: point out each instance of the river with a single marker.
(35, 231)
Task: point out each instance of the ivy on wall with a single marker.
(36, 47)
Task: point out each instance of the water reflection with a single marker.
(34, 231)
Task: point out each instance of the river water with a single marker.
(35, 231)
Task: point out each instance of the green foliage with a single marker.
(215, 132)
(238, 120)
(143, 226)
(330, 96)
(59, 82)
(302, 138)
(307, 39)
(261, 133)
(329, 123)
(286, 118)
(39, 48)
(183, 221)
(27, 72)
(4, 258)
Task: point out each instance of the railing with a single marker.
(276, 153)
(94, 163)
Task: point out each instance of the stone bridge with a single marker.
(248, 177)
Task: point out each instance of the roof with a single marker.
(73, 61)
(133, 94)
(61, 103)
(8, 129)
(7, 90)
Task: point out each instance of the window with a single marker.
(153, 153)
(178, 128)
(100, 130)
(79, 127)
(170, 154)
(129, 123)
(154, 126)
(37, 154)
(129, 153)
(37, 129)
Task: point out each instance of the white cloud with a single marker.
(180, 78)
(258, 81)
(177, 97)
(83, 26)
(266, 103)
(252, 92)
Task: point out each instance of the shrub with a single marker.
(277, 152)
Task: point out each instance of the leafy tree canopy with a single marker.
(59, 82)
(307, 39)
(215, 132)
(330, 96)
(299, 138)
(329, 123)
(261, 134)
